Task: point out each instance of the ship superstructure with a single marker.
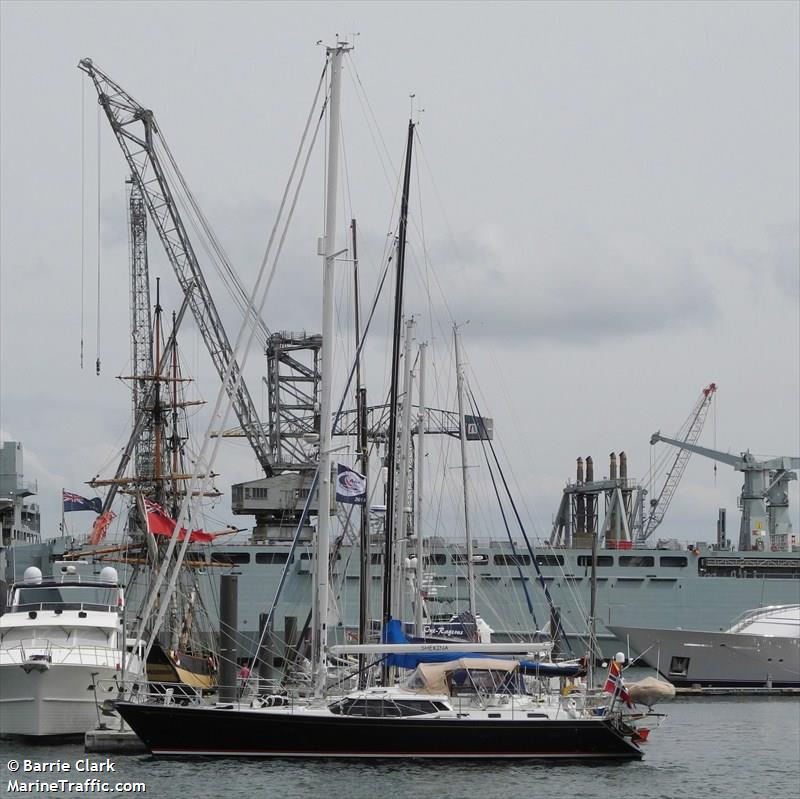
(20, 519)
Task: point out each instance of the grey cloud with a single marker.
(775, 264)
(581, 289)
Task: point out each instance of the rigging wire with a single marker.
(522, 528)
(339, 411)
(83, 208)
(373, 126)
(205, 235)
(474, 408)
(256, 302)
(426, 275)
(97, 364)
(211, 244)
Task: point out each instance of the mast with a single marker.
(592, 612)
(362, 446)
(158, 419)
(320, 655)
(419, 471)
(401, 511)
(394, 390)
(464, 466)
(175, 441)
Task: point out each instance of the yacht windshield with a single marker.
(67, 597)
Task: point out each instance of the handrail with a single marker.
(756, 613)
(87, 654)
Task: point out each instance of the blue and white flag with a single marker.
(75, 502)
(351, 487)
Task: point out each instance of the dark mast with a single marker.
(395, 386)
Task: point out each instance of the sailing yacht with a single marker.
(472, 703)
(470, 707)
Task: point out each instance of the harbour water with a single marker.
(706, 747)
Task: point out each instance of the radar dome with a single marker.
(32, 575)
(108, 574)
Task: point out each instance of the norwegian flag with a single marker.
(159, 523)
(615, 685)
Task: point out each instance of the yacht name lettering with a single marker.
(83, 766)
(435, 648)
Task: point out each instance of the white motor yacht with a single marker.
(60, 639)
(760, 648)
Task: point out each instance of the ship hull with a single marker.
(700, 589)
(180, 668)
(57, 701)
(210, 731)
(695, 657)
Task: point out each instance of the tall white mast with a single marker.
(328, 253)
(401, 506)
(420, 474)
(464, 466)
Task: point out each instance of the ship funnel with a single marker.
(579, 475)
(589, 469)
(612, 466)
(623, 466)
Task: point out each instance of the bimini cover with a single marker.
(431, 678)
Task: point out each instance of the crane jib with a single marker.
(123, 112)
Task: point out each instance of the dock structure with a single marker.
(113, 741)
(742, 691)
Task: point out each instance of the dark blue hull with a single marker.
(182, 730)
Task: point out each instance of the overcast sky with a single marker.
(608, 192)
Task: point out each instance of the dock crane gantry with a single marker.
(137, 134)
(764, 501)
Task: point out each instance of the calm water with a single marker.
(715, 747)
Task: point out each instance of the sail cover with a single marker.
(393, 634)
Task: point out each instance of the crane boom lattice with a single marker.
(689, 434)
(137, 134)
(141, 323)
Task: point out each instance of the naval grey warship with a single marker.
(702, 584)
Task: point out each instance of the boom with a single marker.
(137, 133)
(697, 418)
(766, 523)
